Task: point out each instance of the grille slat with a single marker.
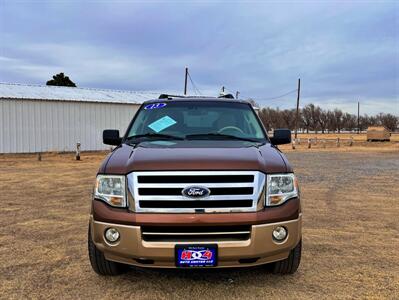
(195, 233)
(196, 204)
(195, 178)
(229, 191)
(178, 191)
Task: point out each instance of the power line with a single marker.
(196, 90)
(281, 96)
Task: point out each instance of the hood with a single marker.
(126, 158)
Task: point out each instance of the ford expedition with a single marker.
(195, 183)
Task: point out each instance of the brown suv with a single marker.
(195, 182)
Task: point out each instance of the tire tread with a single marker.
(291, 263)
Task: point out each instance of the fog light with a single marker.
(112, 235)
(279, 233)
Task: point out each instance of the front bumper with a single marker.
(260, 248)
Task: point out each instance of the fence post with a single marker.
(39, 156)
(77, 156)
(351, 142)
(293, 144)
(324, 143)
(298, 140)
(309, 144)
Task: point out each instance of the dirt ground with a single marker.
(350, 234)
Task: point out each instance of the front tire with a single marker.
(101, 265)
(291, 263)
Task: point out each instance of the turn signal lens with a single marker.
(115, 201)
(275, 200)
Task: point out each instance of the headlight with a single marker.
(280, 188)
(111, 189)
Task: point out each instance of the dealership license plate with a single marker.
(196, 256)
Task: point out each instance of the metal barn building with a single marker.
(50, 118)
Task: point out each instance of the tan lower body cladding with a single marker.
(258, 248)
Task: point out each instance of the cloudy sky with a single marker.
(343, 51)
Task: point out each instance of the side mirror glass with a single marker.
(281, 136)
(111, 137)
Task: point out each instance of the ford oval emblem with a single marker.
(196, 192)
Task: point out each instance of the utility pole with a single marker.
(223, 89)
(297, 107)
(237, 93)
(358, 117)
(185, 82)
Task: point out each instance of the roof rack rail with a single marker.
(166, 96)
(227, 96)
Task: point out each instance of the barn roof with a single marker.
(61, 93)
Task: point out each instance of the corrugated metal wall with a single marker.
(39, 126)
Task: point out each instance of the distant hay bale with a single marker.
(378, 133)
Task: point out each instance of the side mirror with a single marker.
(281, 136)
(111, 137)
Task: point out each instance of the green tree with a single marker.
(61, 80)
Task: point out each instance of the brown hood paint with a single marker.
(126, 159)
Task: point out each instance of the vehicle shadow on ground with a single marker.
(206, 276)
(229, 283)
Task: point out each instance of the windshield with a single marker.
(197, 120)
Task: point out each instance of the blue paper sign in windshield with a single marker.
(162, 124)
(154, 105)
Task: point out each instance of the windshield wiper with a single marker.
(220, 135)
(154, 136)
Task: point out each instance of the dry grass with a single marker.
(328, 142)
(362, 137)
(350, 234)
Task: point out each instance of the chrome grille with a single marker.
(230, 191)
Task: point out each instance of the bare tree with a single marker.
(338, 119)
(364, 122)
(306, 118)
(314, 118)
(288, 118)
(323, 120)
(311, 116)
(331, 121)
(389, 121)
(266, 115)
(349, 121)
(316, 111)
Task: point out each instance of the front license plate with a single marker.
(196, 256)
